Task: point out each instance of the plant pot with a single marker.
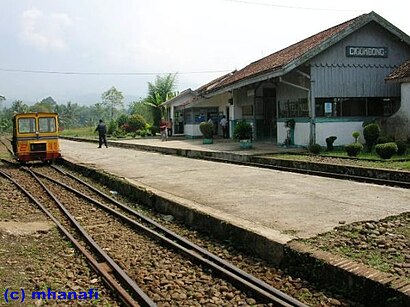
(207, 141)
(245, 144)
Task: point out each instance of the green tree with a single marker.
(158, 93)
(113, 99)
(69, 117)
(98, 111)
(19, 106)
(139, 107)
(45, 105)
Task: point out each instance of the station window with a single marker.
(356, 107)
(47, 124)
(293, 108)
(197, 115)
(27, 125)
(247, 110)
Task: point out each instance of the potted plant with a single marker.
(243, 133)
(329, 142)
(207, 130)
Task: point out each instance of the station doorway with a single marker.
(269, 126)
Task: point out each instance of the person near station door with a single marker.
(181, 123)
(102, 134)
(224, 125)
(169, 127)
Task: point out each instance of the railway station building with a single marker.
(327, 85)
(399, 123)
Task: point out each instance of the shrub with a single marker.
(353, 149)
(148, 129)
(136, 122)
(154, 130)
(401, 148)
(118, 133)
(368, 122)
(382, 140)
(371, 132)
(315, 149)
(207, 129)
(143, 133)
(242, 131)
(386, 150)
(122, 120)
(355, 135)
(112, 127)
(329, 142)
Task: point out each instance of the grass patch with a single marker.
(85, 132)
(369, 160)
(363, 156)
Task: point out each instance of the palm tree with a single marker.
(158, 92)
(19, 107)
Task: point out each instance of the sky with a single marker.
(87, 46)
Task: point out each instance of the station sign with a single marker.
(368, 52)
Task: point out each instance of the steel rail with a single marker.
(99, 268)
(190, 249)
(143, 299)
(379, 181)
(184, 242)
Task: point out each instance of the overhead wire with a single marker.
(291, 6)
(109, 73)
(179, 73)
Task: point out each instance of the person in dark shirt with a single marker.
(102, 131)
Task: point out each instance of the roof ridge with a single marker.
(283, 58)
(313, 35)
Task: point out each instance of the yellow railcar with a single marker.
(35, 136)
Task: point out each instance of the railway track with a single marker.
(119, 218)
(344, 176)
(108, 269)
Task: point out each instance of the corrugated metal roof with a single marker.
(304, 50)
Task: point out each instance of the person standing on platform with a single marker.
(163, 129)
(224, 125)
(102, 134)
(169, 127)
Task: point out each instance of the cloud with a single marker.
(45, 32)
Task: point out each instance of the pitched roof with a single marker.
(286, 59)
(191, 96)
(400, 74)
(214, 83)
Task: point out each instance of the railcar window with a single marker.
(27, 125)
(47, 124)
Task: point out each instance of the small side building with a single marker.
(398, 124)
(190, 108)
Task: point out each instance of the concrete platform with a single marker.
(259, 209)
(278, 205)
